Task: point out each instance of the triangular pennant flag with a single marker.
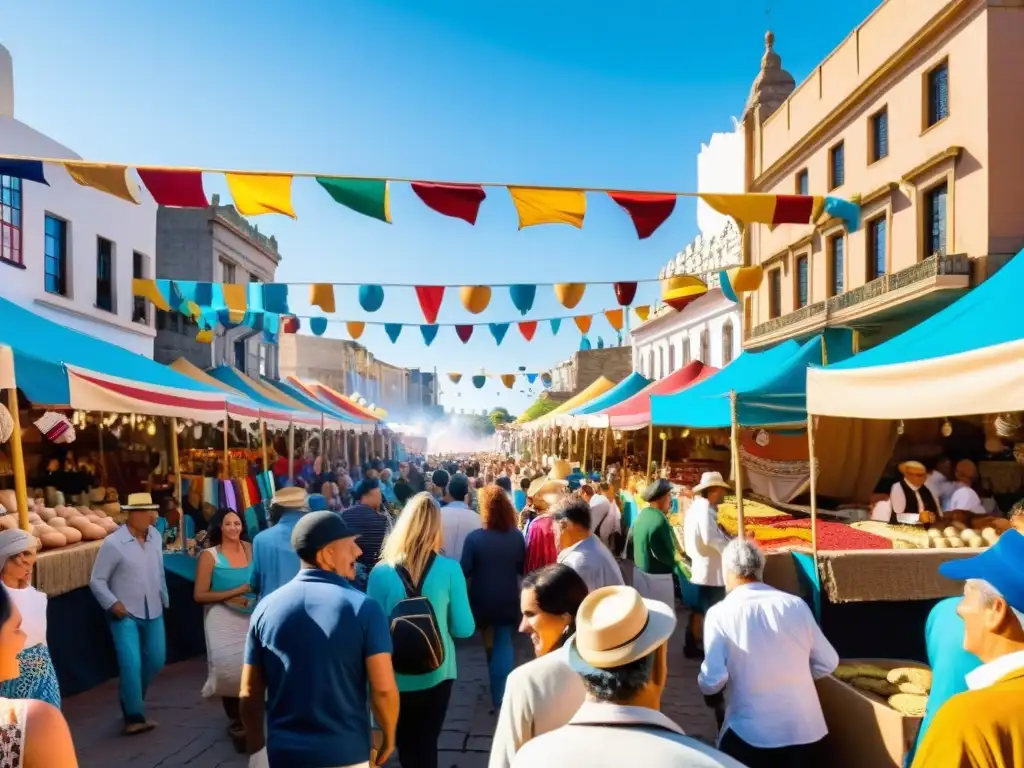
(464, 332)
(322, 295)
(194, 292)
(255, 194)
(147, 289)
(549, 206)
(393, 330)
(454, 378)
(615, 318)
(625, 293)
(430, 298)
(174, 188)
(366, 196)
(275, 298)
(26, 170)
(235, 296)
(531, 377)
(112, 179)
(271, 326)
(648, 211)
(570, 294)
(355, 329)
(642, 311)
(429, 333)
(479, 380)
(460, 201)
(204, 337)
(318, 325)
(508, 379)
(527, 328)
(556, 323)
(291, 324)
(498, 331)
(371, 297)
(522, 297)
(583, 322)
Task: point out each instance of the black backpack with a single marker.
(416, 645)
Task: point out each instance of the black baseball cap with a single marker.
(315, 530)
(657, 489)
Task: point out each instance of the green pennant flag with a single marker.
(366, 196)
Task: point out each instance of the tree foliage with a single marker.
(540, 407)
(499, 416)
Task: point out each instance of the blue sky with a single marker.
(575, 93)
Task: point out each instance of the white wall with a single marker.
(719, 169)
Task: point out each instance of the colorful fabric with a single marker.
(112, 179)
(430, 298)
(549, 206)
(38, 678)
(174, 188)
(369, 197)
(255, 194)
(647, 210)
(763, 208)
(460, 201)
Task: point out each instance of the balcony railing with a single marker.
(924, 271)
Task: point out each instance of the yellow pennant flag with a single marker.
(642, 311)
(193, 310)
(549, 206)
(147, 289)
(615, 318)
(112, 179)
(583, 322)
(236, 296)
(355, 328)
(322, 295)
(206, 337)
(255, 194)
(454, 378)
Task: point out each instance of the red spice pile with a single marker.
(838, 536)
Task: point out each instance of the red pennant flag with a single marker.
(460, 201)
(177, 189)
(528, 328)
(291, 324)
(648, 211)
(464, 332)
(625, 293)
(430, 298)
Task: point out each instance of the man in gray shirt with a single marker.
(128, 582)
(581, 550)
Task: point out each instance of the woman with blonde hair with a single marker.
(411, 570)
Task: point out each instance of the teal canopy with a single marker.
(231, 377)
(624, 390)
(314, 405)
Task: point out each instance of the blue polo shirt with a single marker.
(274, 562)
(311, 638)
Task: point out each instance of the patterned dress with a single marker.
(38, 678)
(13, 715)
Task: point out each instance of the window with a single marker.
(650, 364)
(935, 220)
(705, 347)
(661, 362)
(802, 183)
(263, 359)
(775, 294)
(104, 274)
(686, 350)
(836, 247)
(937, 95)
(10, 219)
(671, 358)
(254, 278)
(801, 282)
(55, 256)
(877, 238)
(227, 271)
(139, 313)
(727, 342)
(240, 355)
(836, 166)
(878, 140)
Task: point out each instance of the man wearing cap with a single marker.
(704, 543)
(274, 562)
(319, 653)
(620, 651)
(654, 545)
(910, 498)
(984, 726)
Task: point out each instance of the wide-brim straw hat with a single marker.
(138, 501)
(290, 498)
(616, 626)
(711, 480)
(560, 470)
(544, 485)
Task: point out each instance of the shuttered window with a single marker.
(879, 135)
(938, 93)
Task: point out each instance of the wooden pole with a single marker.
(263, 444)
(604, 450)
(18, 460)
(814, 490)
(291, 453)
(103, 455)
(586, 437)
(737, 471)
(664, 452)
(227, 455)
(650, 449)
(176, 464)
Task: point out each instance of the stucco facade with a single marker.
(708, 330)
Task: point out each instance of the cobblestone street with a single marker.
(192, 731)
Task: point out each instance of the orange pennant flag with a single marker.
(204, 337)
(583, 322)
(355, 328)
(508, 379)
(147, 289)
(256, 194)
(112, 179)
(236, 296)
(615, 318)
(549, 206)
(642, 311)
(322, 295)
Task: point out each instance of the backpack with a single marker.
(416, 642)
(616, 541)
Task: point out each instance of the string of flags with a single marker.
(259, 193)
(478, 380)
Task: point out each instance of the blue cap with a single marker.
(1000, 565)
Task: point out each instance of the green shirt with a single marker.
(654, 548)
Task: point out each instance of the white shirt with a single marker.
(898, 500)
(704, 541)
(32, 605)
(593, 562)
(772, 699)
(989, 674)
(940, 486)
(964, 497)
(457, 522)
(606, 515)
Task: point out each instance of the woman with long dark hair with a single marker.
(545, 693)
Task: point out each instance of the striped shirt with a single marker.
(372, 527)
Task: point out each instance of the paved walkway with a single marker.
(192, 731)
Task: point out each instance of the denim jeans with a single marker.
(141, 651)
(500, 658)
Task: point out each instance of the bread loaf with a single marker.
(49, 537)
(71, 535)
(909, 704)
(90, 531)
(58, 522)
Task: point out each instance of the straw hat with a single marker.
(290, 498)
(138, 501)
(711, 480)
(615, 626)
(560, 470)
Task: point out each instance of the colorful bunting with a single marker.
(523, 297)
(737, 281)
(680, 290)
(271, 326)
(464, 332)
(26, 170)
(291, 324)
(498, 331)
(625, 293)
(475, 298)
(255, 194)
(275, 298)
(583, 322)
(430, 298)
(545, 379)
(642, 312)
(369, 197)
(527, 328)
(429, 333)
(318, 325)
(393, 330)
(175, 189)
(454, 378)
(615, 318)
(205, 337)
(762, 208)
(112, 179)
(147, 289)
(508, 379)
(355, 329)
(846, 210)
(570, 294)
(322, 295)
(479, 381)
(556, 323)
(235, 296)
(549, 206)
(371, 297)
(531, 377)
(460, 201)
(648, 211)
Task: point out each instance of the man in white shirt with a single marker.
(580, 549)
(457, 519)
(964, 496)
(773, 716)
(704, 542)
(605, 518)
(939, 480)
(910, 499)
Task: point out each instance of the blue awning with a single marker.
(238, 381)
(625, 389)
(311, 403)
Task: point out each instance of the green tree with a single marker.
(540, 407)
(499, 416)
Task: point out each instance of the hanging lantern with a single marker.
(899, 428)
(151, 428)
(475, 298)
(371, 297)
(680, 290)
(762, 438)
(570, 294)
(947, 428)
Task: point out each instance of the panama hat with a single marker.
(711, 480)
(912, 466)
(560, 470)
(290, 498)
(616, 626)
(138, 501)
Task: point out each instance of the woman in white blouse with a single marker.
(545, 693)
(38, 678)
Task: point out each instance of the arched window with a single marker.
(705, 347)
(661, 362)
(727, 342)
(650, 363)
(671, 358)
(686, 350)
